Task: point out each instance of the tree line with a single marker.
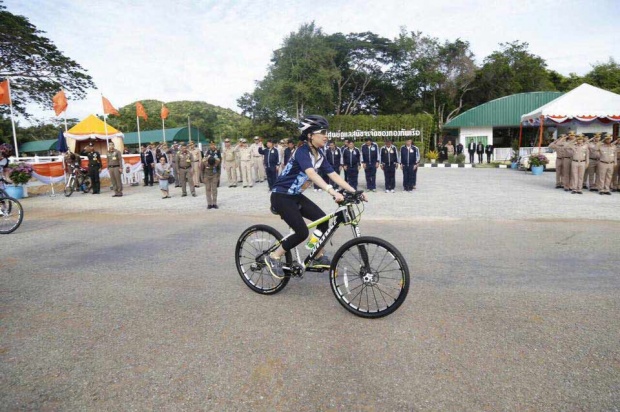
(365, 73)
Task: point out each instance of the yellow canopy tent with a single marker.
(92, 129)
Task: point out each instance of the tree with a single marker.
(36, 68)
(301, 75)
(513, 69)
(605, 75)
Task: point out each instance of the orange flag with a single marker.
(140, 112)
(164, 112)
(5, 98)
(60, 102)
(108, 108)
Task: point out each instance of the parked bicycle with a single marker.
(368, 276)
(11, 212)
(78, 180)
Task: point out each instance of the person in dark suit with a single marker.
(480, 151)
(351, 160)
(489, 151)
(471, 149)
(334, 158)
(94, 166)
(148, 161)
(459, 149)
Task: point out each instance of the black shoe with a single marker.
(559, 187)
(601, 193)
(593, 190)
(215, 207)
(567, 190)
(209, 207)
(572, 193)
(145, 185)
(608, 193)
(184, 194)
(194, 194)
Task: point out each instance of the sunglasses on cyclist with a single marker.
(322, 131)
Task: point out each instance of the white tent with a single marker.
(584, 103)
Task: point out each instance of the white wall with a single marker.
(466, 132)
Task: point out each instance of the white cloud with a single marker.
(216, 50)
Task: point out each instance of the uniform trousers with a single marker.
(175, 172)
(246, 172)
(559, 170)
(566, 172)
(148, 173)
(211, 178)
(390, 176)
(488, 157)
(272, 173)
(576, 173)
(185, 177)
(351, 175)
(589, 178)
(259, 168)
(238, 171)
(196, 172)
(93, 173)
(409, 177)
(604, 173)
(115, 178)
(231, 172)
(371, 176)
(480, 157)
(615, 182)
(471, 157)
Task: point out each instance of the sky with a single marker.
(215, 51)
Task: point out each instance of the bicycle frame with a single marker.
(345, 215)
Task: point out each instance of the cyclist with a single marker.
(287, 199)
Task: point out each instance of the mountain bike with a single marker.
(78, 180)
(368, 276)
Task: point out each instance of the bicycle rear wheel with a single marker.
(11, 215)
(369, 277)
(252, 246)
(86, 184)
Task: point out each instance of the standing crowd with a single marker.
(587, 164)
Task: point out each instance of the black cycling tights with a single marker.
(293, 209)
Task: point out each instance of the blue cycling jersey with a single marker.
(293, 177)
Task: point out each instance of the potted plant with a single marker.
(514, 158)
(20, 174)
(432, 155)
(538, 162)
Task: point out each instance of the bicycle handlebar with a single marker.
(355, 197)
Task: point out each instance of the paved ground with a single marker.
(135, 304)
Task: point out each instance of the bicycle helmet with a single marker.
(310, 124)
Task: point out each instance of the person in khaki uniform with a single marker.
(184, 164)
(567, 161)
(115, 166)
(580, 163)
(230, 163)
(245, 158)
(210, 170)
(257, 159)
(589, 178)
(606, 164)
(197, 155)
(558, 145)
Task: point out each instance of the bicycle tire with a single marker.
(87, 184)
(10, 210)
(70, 187)
(259, 279)
(387, 283)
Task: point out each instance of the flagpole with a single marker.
(163, 129)
(8, 82)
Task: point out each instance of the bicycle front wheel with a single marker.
(369, 277)
(70, 186)
(11, 215)
(252, 246)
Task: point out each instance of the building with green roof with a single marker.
(40, 147)
(497, 122)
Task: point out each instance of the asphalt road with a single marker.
(145, 311)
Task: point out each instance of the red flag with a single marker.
(108, 108)
(60, 102)
(164, 112)
(5, 98)
(140, 112)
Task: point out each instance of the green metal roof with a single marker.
(505, 111)
(178, 134)
(38, 146)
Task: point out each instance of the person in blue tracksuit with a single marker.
(389, 163)
(351, 159)
(271, 161)
(409, 159)
(370, 163)
(334, 158)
